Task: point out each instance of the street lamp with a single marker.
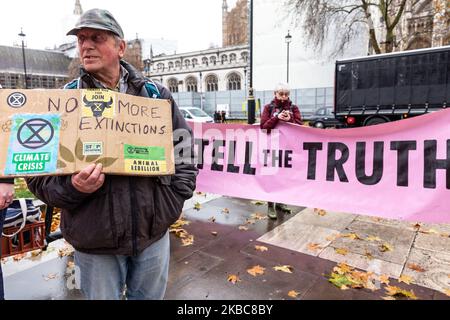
(251, 106)
(22, 35)
(288, 39)
(201, 90)
(147, 63)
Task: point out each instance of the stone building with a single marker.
(424, 24)
(45, 69)
(235, 24)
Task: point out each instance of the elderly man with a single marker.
(118, 225)
(279, 109)
(6, 197)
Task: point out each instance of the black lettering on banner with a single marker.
(75, 105)
(216, 155)
(201, 151)
(232, 158)
(431, 164)
(288, 158)
(84, 124)
(57, 105)
(337, 164)
(162, 130)
(69, 107)
(99, 123)
(266, 156)
(248, 169)
(154, 112)
(122, 105)
(377, 168)
(278, 158)
(312, 148)
(403, 148)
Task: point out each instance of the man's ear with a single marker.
(122, 48)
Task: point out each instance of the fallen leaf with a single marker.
(19, 257)
(373, 238)
(352, 236)
(199, 193)
(415, 267)
(257, 202)
(233, 278)
(341, 251)
(212, 219)
(197, 206)
(261, 248)
(388, 298)
(417, 226)
(36, 253)
(406, 279)
(369, 255)
(332, 237)
(385, 247)
(187, 241)
(376, 219)
(243, 228)
(447, 292)
(342, 268)
(320, 212)
(256, 270)
(250, 221)
(70, 264)
(225, 210)
(180, 233)
(314, 246)
(293, 294)
(4, 260)
(384, 279)
(258, 216)
(179, 223)
(50, 276)
(429, 231)
(285, 268)
(398, 292)
(214, 233)
(340, 281)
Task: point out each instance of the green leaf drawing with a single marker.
(79, 150)
(60, 164)
(106, 162)
(66, 154)
(92, 158)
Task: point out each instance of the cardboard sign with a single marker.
(59, 132)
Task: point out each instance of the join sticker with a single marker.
(98, 103)
(144, 159)
(33, 144)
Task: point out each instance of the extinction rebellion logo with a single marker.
(35, 133)
(16, 100)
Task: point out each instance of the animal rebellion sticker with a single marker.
(144, 159)
(98, 103)
(33, 144)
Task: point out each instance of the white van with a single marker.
(195, 114)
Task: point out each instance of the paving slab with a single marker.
(331, 219)
(300, 237)
(359, 261)
(436, 266)
(407, 225)
(432, 242)
(442, 228)
(399, 239)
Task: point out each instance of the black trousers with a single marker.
(2, 294)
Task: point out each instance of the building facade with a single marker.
(424, 24)
(235, 24)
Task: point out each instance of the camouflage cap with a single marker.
(97, 19)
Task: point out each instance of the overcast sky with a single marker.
(194, 24)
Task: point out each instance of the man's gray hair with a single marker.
(282, 87)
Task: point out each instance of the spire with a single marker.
(78, 10)
(151, 51)
(225, 6)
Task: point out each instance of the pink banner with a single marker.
(398, 170)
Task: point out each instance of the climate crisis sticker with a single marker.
(144, 159)
(33, 144)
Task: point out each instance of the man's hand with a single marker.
(6, 194)
(90, 179)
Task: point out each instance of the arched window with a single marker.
(232, 57)
(419, 43)
(212, 83)
(160, 66)
(187, 63)
(170, 65)
(205, 61)
(244, 56)
(191, 84)
(172, 83)
(177, 64)
(224, 58)
(213, 60)
(194, 62)
(234, 82)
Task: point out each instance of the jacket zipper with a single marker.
(133, 218)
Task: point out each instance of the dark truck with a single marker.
(388, 87)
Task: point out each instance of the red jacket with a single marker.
(269, 118)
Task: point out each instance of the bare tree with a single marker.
(347, 18)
